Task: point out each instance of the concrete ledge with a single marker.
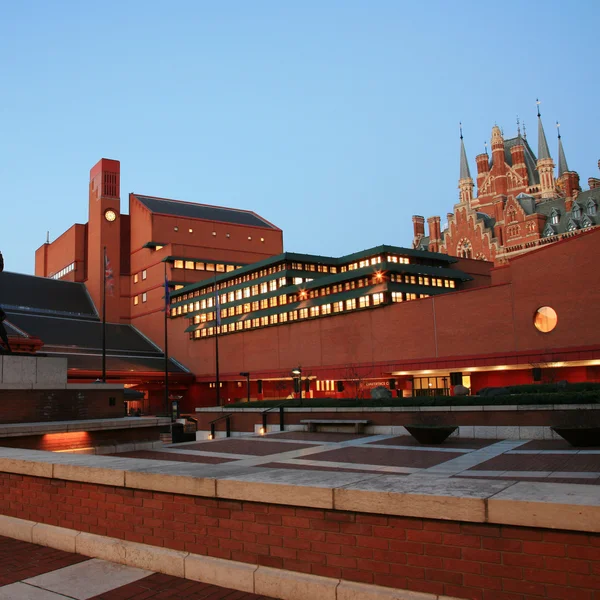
(348, 590)
(293, 586)
(99, 546)
(151, 558)
(17, 529)
(54, 537)
(224, 573)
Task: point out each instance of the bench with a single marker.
(358, 424)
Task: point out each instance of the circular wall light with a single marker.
(545, 319)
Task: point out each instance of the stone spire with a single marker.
(543, 151)
(545, 166)
(465, 182)
(465, 173)
(562, 160)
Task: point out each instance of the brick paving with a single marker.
(253, 446)
(157, 455)
(541, 462)
(364, 455)
(21, 560)
(452, 442)
(291, 465)
(165, 587)
(317, 437)
(553, 445)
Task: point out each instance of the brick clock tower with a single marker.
(104, 230)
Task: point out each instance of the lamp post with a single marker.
(297, 375)
(247, 376)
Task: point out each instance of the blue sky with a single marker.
(335, 119)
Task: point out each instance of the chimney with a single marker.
(418, 226)
(517, 154)
(435, 236)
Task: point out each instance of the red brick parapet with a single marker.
(466, 539)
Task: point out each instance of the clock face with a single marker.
(110, 215)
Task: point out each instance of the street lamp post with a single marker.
(247, 376)
(297, 375)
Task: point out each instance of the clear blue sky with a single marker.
(335, 119)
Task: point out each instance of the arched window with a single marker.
(464, 249)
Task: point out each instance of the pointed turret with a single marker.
(543, 151)
(465, 182)
(465, 173)
(562, 160)
(545, 166)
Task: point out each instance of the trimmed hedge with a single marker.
(586, 397)
(560, 387)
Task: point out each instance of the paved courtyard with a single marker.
(32, 572)
(521, 460)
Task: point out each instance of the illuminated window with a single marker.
(377, 299)
(273, 301)
(338, 306)
(144, 274)
(264, 303)
(283, 317)
(136, 300)
(264, 288)
(396, 296)
(157, 248)
(363, 301)
(178, 264)
(145, 297)
(273, 319)
(229, 268)
(254, 290)
(210, 266)
(200, 266)
(545, 319)
(314, 311)
(351, 304)
(303, 313)
(189, 264)
(293, 314)
(246, 308)
(221, 268)
(135, 278)
(283, 299)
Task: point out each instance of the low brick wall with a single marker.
(458, 559)
(72, 440)
(61, 404)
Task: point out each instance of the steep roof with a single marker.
(543, 150)
(562, 159)
(465, 173)
(530, 159)
(191, 210)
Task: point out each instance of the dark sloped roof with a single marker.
(191, 210)
(60, 331)
(530, 159)
(45, 295)
(85, 362)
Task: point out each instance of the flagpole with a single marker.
(104, 317)
(218, 320)
(166, 342)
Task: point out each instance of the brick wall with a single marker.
(54, 442)
(474, 562)
(32, 406)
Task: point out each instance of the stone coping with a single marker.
(21, 429)
(506, 502)
(366, 409)
(50, 385)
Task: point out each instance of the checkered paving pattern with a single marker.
(20, 562)
(521, 460)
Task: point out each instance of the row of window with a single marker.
(143, 274)
(227, 235)
(274, 284)
(295, 266)
(192, 265)
(304, 313)
(136, 299)
(422, 280)
(325, 386)
(64, 271)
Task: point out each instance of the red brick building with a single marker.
(403, 318)
(520, 203)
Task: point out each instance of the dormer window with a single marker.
(555, 217)
(586, 221)
(571, 226)
(576, 211)
(548, 231)
(592, 207)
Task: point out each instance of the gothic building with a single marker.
(520, 203)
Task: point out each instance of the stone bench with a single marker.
(358, 424)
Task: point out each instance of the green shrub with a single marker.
(562, 397)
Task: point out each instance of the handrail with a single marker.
(281, 417)
(227, 425)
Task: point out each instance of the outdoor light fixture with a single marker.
(379, 275)
(210, 436)
(297, 375)
(261, 431)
